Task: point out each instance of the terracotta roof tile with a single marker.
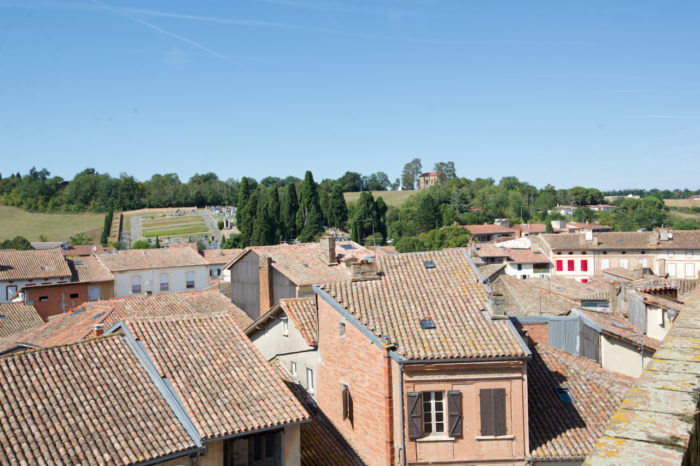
(523, 298)
(682, 239)
(88, 403)
(142, 259)
(487, 229)
(24, 265)
(220, 256)
(531, 228)
(89, 270)
(84, 250)
(561, 431)
(224, 383)
(618, 325)
(450, 294)
(17, 318)
(302, 311)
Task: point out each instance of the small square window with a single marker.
(74, 295)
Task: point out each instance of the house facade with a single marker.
(426, 180)
(156, 271)
(486, 233)
(21, 268)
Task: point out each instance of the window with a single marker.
(285, 326)
(584, 265)
(310, 379)
(10, 291)
(690, 271)
(341, 329)
(520, 266)
(293, 368)
(190, 279)
(560, 265)
(571, 265)
(670, 253)
(346, 400)
(605, 263)
(671, 270)
(43, 298)
(164, 285)
(73, 295)
(493, 411)
(434, 414)
(689, 254)
(644, 263)
(623, 263)
(136, 284)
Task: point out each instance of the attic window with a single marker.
(347, 246)
(427, 324)
(564, 395)
(78, 262)
(98, 316)
(429, 264)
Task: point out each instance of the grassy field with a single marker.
(170, 221)
(176, 230)
(681, 203)
(395, 198)
(55, 227)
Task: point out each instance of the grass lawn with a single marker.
(170, 221)
(681, 203)
(56, 227)
(395, 198)
(176, 230)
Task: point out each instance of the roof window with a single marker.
(427, 324)
(429, 264)
(347, 246)
(564, 395)
(78, 311)
(3, 316)
(98, 316)
(78, 262)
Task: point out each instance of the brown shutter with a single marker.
(344, 397)
(454, 406)
(486, 408)
(415, 415)
(499, 411)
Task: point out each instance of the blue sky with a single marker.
(594, 93)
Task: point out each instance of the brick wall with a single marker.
(58, 300)
(537, 333)
(354, 360)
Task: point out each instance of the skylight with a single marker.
(564, 395)
(78, 311)
(98, 315)
(427, 324)
(3, 316)
(429, 264)
(78, 262)
(347, 246)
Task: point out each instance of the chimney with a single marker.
(328, 250)
(265, 274)
(98, 330)
(364, 270)
(663, 234)
(495, 305)
(589, 235)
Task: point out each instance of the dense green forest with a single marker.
(286, 209)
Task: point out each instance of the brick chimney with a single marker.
(328, 250)
(265, 274)
(98, 330)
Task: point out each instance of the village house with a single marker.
(90, 281)
(601, 207)
(527, 229)
(429, 179)
(521, 263)
(561, 226)
(485, 233)
(675, 253)
(155, 271)
(191, 405)
(216, 259)
(262, 275)
(563, 209)
(22, 268)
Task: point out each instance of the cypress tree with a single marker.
(290, 206)
(245, 217)
(309, 216)
(242, 220)
(263, 231)
(337, 209)
(380, 209)
(274, 212)
(365, 216)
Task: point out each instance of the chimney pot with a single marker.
(99, 330)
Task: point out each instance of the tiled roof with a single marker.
(487, 229)
(682, 239)
(450, 294)
(224, 383)
(563, 431)
(17, 318)
(89, 270)
(302, 262)
(530, 227)
(616, 324)
(86, 403)
(25, 265)
(524, 298)
(621, 272)
(661, 302)
(595, 289)
(84, 250)
(80, 322)
(221, 286)
(144, 259)
(220, 256)
(302, 311)
(655, 422)
(584, 226)
(488, 271)
(527, 256)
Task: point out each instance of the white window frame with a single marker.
(433, 409)
(188, 281)
(690, 270)
(668, 269)
(293, 368)
(310, 380)
(166, 283)
(9, 288)
(136, 287)
(285, 326)
(624, 263)
(644, 263)
(605, 264)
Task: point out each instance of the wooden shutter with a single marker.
(454, 406)
(499, 411)
(415, 415)
(486, 408)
